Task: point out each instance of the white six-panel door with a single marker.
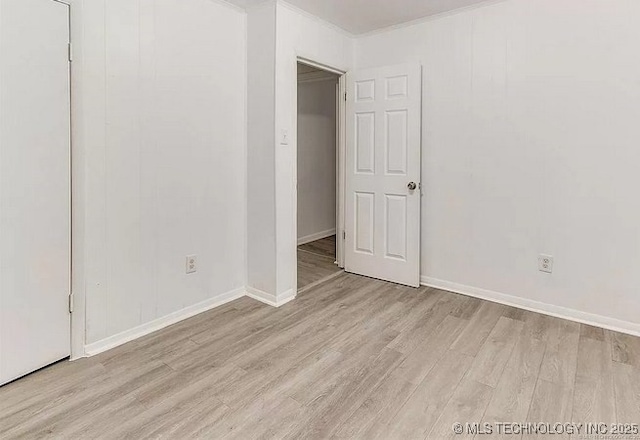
(34, 186)
(383, 173)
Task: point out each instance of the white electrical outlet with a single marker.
(192, 264)
(545, 263)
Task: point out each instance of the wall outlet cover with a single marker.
(545, 263)
(192, 264)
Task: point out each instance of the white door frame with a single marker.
(77, 294)
(341, 157)
(77, 323)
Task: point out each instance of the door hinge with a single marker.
(345, 96)
(70, 52)
(71, 303)
(344, 235)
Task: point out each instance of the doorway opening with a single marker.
(319, 111)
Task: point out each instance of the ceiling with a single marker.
(362, 16)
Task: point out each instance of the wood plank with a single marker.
(590, 332)
(378, 409)
(551, 403)
(313, 267)
(411, 337)
(594, 399)
(512, 398)
(95, 401)
(560, 359)
(421, 411)
(496, 351)
(418, 364)
(351, 365)
(385, 401)
(467, 307)
(467, 405)
(268, 423)
(325, 247)
(162, 415)
(328, 411)
(480, 326)
(626, 349)
(627, 393)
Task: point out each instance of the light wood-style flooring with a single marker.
(317, 261)
(350, 358)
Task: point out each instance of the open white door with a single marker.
(383, 173)
(34, 186)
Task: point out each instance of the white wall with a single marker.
(316, 159)
(297, 34)
(530, 145)
(160, 126)
(261, 205)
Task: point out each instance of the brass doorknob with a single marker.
(412, 186)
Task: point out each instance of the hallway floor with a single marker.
(316, 261)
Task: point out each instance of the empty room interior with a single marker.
(319, 219)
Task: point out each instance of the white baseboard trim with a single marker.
(316, 236)
(286, 297)
(535, 306)
(160, 323)
(270, 298)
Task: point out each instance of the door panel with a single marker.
(383, 158)
(365, 215)
(395, 227)
(396, 142)
(365, 135)
(34, 186)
